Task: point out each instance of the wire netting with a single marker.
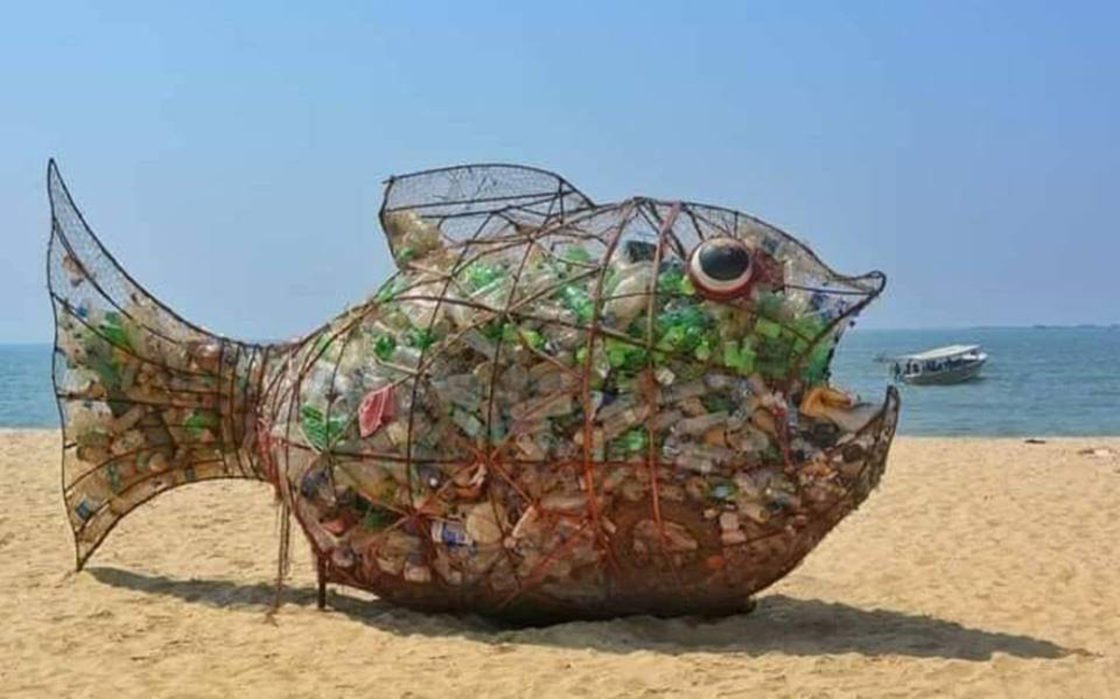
(544, 414)
(555, 409)
(147, 400)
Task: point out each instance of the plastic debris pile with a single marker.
(148, 401)
(554, 409)
(558, 412)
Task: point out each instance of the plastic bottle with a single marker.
(702, 423)
(631, 296)
(450, 533)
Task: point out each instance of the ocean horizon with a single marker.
(1040, 381)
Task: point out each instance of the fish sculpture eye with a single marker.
(721, 268)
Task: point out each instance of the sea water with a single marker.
(26, 395)
(1038, 382)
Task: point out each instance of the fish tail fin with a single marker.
(148, 401)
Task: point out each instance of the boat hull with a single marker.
(959, 374)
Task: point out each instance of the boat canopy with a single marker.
(940, 353)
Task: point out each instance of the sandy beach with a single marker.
(979, 568)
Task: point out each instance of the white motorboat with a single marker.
(943, 365)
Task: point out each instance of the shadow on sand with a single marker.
(779, 624)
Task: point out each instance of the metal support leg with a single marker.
(322, 576)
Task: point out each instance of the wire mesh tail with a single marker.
(147, 400)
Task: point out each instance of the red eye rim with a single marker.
(716, 290)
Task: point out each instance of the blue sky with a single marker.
(231, 154)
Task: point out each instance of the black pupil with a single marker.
(724, 261)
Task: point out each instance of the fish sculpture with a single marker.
(554, 409)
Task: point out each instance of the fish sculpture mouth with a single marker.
(554, 409)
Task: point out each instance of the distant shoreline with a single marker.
(1045, 381)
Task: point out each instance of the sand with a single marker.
(979, 568)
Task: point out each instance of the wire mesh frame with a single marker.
(519, 224)
(524, 241)
(99, 309)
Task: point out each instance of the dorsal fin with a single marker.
(462, 201)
